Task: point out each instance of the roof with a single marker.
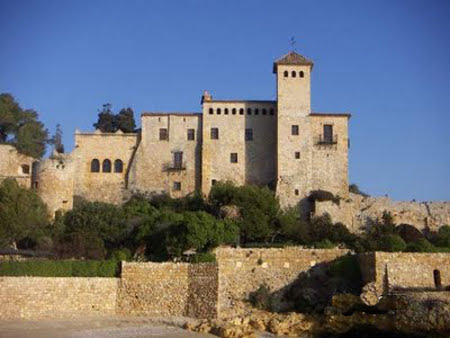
(292, 58)
(348, 115)
(242, 101)
(170, 113)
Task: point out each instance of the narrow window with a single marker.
(264, 111)
(219, 111)
(177, 186)
(294, 73)
(296, 192)
(234, 158)
(118, 166)
(211, 111)
(226, 111)
(106, 166)
(95, 166)
(301, 74)
(163, 136)
(249, 134)
(437, 279)
(249, 111)
(328, 133)
(286, 73)
(25, 169)
(191, 134)
(256, 111)
(213, 181)
(241, 111)
(214, 133)
(272, 111)
(294, 129)
(178, 160)
(233, 111)
(297, 155)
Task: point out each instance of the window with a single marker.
(118, 166)
(328, 133)
(213, 181)
(106, 166)
(249, 134)
(256, 111)
(25, 169)
(178, 159)
(226, 111)
(177, 186)
(233, 111)
(241, 111)
(294, 129)
(211, 111)
(301, 74)
(191, 134)
(297, 155)
(286, 73)
(95, 166)
(249, 111)
(219, 111)
(264, 111)
(272, 111)
(294, 73)
(163, 136)
(296, 192)
(233, 158)
(214, 133)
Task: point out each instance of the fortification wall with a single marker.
(168, 289)
(242, 271)
(358, 211)
(153, 169)
(48, 297)
(15, 165)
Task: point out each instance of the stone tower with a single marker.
(294, 139)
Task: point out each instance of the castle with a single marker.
(281, 144)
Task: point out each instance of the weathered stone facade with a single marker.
(15, 165)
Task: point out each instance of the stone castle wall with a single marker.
(44, 297)
(14, 165)
(242, 271)
(168, 289)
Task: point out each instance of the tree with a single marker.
(22, 213)
(21, 128)
(107, 122)
(353, 188)
(125, 120)
(56, 140)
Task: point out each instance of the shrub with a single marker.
(421, 245)
(391, 243)
(292, 227)
(119, 255)
(261, 298)
(203, 257)
(324, 244)
(60, 268)
(353, 188)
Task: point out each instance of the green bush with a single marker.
(203, 257)
(324, 244)
(421, 245)
(391, 243)
(60, 268)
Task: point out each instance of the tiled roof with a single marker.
(292, 58)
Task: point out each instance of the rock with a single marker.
(369, 294)
(346, 302)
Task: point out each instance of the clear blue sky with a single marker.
(386, 62)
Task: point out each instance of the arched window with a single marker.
(226, 111)
(211, 111)
(294, 73)
(95, 166)
(256, 111)
(241, 111)
(219, 111)
(286, 73)
(106, 167)
(264, 111)
(301, 74)
(272, 111)
(233, 111)
(118, 166)
(249, 111)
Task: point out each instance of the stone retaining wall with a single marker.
(56, 297)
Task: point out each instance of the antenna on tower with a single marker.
(293, 44)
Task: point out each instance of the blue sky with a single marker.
(386, 62)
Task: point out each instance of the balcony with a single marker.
(325, 141)
(177, 166)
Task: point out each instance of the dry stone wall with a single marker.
(242, 271)
(48, 297)
(168, 289)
